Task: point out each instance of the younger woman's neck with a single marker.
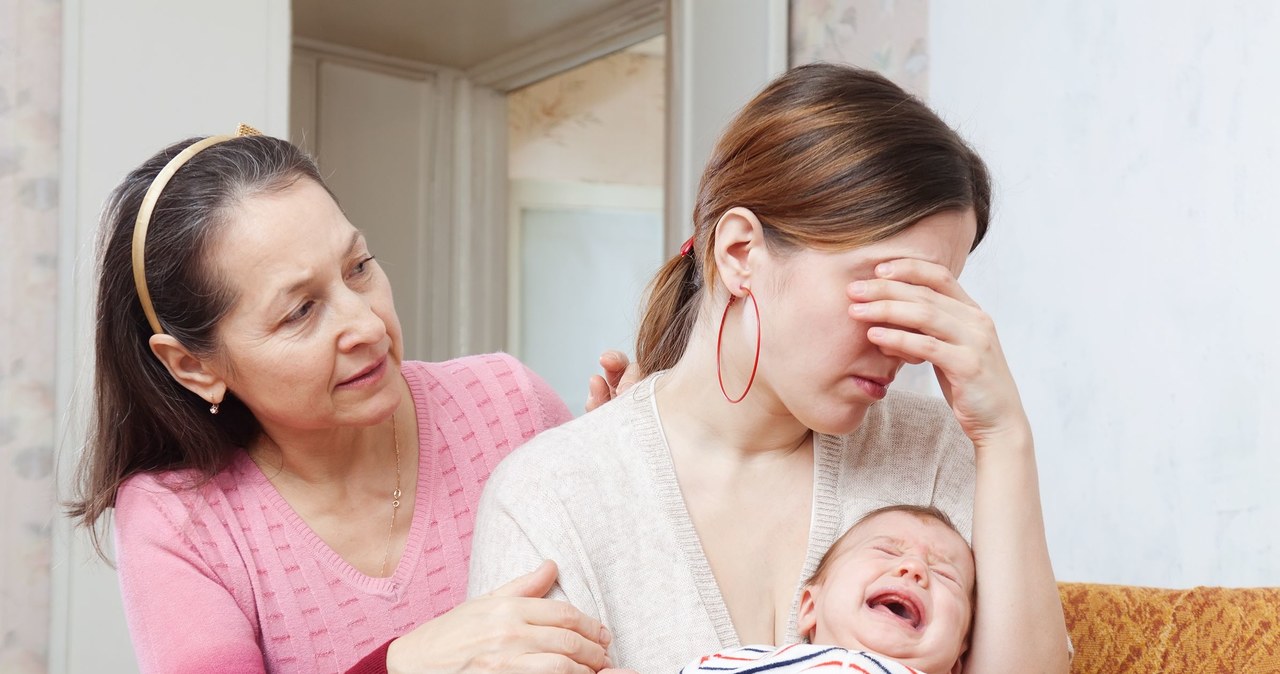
(693, 406)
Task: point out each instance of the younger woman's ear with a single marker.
(739, 245)
(187, 369)
(807, 616)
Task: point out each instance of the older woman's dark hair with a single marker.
(144, 420)
(827, 157)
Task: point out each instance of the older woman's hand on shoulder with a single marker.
(619, 375)
(512, 629)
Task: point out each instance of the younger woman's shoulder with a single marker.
(603, 445)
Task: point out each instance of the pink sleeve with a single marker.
(181, 617)
(554, 411)
(373, 663)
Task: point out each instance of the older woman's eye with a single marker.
(362, 267)
(301, 312)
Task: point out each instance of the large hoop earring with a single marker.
(720, 340)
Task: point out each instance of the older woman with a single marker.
(831, 223)
(290, 494)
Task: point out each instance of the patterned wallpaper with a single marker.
(888, 36)
(600, 122)
(30, 81)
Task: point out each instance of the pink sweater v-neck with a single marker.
(226, 577)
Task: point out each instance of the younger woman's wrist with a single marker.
(1013, 440)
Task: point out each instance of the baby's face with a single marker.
(900, 585)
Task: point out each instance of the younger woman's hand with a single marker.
(511, 630)
(918, 312)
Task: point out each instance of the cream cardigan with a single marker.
(599, 496)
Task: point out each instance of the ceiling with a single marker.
(454, 33)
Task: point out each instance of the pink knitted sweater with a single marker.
(227, 578)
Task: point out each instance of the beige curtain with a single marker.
(30, 81)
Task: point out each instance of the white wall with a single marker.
(1132, 269)
(138, 75)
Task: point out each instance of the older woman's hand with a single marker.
(619, 375)
(509, 630)
(919, 313)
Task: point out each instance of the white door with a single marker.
(583, 254)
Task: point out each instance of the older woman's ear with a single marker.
(192, 372)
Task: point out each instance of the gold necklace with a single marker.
(395, 499)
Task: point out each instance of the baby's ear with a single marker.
(807, 616)
(964, 650)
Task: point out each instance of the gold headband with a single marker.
(148, 205)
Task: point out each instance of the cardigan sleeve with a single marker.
(181, 616)
(512, 541)
(520, 523)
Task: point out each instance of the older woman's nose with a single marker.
(359, 323)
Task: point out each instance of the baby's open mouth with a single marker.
(904, 607)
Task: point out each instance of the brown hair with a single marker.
(922, 512)
(828, 157)
(144, 420)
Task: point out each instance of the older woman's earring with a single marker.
(213, 407)
(720, 339)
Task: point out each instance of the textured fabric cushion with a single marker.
(1122, 629)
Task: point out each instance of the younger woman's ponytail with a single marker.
(669, 314)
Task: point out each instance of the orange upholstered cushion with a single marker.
(1120, 629)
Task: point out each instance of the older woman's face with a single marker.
(813, 354)
(313, 340)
